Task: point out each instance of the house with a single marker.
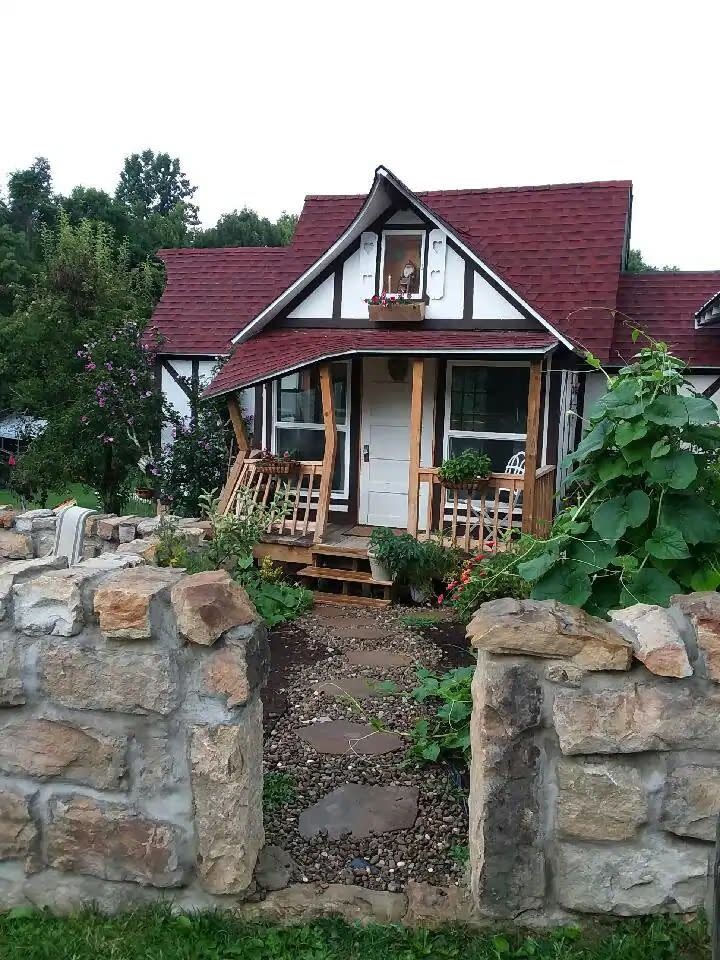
(504, 291)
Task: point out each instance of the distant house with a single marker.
(506, 290)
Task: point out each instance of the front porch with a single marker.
(325, 529)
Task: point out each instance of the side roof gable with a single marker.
(385, 189)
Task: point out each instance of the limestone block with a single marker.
(636, 718)
(208, 604)
(125, 604)
(691, 801)
(12, 691)
(659, 876)
(227, 784)
(15, 546)
(111, 841)
(108, 528)
(157, 765)
(656, 639)
(431, 906)
(546, 628)
(148, 526)
(127, 531)
(46, 749)
(122, 680)
(52, 602)
(236, 669)
(91, 524)
(43, 543)
(703, 609)
(112, 561)
(599, 801)
(303, 902)
(15, 571)
(18, 832)
(7, 517)
(505, 830)
(145, 548)
(33, 520)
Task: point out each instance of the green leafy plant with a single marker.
(465, 467)
(278, 790)
(448, 732)
(235, 535)
(411, 561)
(488, 576)
(277, 602)
(194, 462)
(645, 523)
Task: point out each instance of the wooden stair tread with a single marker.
(343, 600)
(330, 550)
(350, 576)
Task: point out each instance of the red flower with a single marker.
(441, 598)
(11, 461)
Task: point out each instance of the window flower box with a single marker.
(276, 465)
(395, 309)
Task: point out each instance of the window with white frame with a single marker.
(298, 418)
(486, 410)
(402, 263)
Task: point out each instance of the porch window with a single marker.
(299, 421)
(486, 410)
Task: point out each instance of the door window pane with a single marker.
(299, 399)
(499, 451)
(489, 399)
(306, 444)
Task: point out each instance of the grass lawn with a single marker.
(156, 935)
(85, 498)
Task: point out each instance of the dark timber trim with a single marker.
(712, 389)
(258, 418)
(337, 294)
(180, 381)
(468, 292)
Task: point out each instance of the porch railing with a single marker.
(483, 522)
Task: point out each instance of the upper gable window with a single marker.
(402, 262)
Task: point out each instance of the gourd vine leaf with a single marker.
(677, 469)
(668, 410)
(667, 543)
(700, 410)
(611, 469)
(697, 520)
(706, 578)
(612, 518)
(639, 450)
(649, 586)
(660, 448)
(592, 554)
(539, 566)
(592, 441)
(566, 582)
(630, 430)
(704, 437)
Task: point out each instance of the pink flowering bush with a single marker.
(196, 462)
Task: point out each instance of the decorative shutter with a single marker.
(437, 247)
(368, 263)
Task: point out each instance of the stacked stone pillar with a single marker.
(130, 735)
(595, 782)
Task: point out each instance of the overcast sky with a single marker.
(267, 101)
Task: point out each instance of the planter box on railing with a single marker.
(394, 312)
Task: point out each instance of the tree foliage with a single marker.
(246, 229)
(155, 183)
(636, 264)
(645, 524)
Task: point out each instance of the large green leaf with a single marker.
(700, 410)
(660, 448)
(594, 440)
(622, 395)
(668, 410)
(706, 437)
(611, 468)
(639, 450)
(630, 430)
(612, 518)
(538, 566)
(667, 543)
(649, 586)
(697, 520)
(593, 555)
(566, 582)
(677, 469)
(706, 578)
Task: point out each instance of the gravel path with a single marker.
(428, 851)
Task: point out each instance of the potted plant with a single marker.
(150, 473)
(380, 552)
(278, 464)
(469, 471)
(395, 308)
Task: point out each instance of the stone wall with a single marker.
(29, 534)
(130, 734)
(595, 782)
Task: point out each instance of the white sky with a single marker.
(267, 101)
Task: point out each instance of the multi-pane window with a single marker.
(487, 410)
(299, 420)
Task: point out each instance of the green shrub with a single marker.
(196, 461)
(490, 576)
(465, 467)
(417, 563)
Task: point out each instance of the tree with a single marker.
(74, 355)
(31, 203)
(245, 228)
(636, 264)
(154, 183)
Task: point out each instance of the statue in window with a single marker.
(408, 279)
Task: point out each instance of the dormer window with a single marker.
(402, 263)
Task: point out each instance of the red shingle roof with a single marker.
(276, 350)
(664, 305)
(559, 247)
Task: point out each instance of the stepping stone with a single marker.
(341, 737)
(358, 687)
(378, 658)
(357, 630)
(360, 810)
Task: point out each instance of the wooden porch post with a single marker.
(418, 368)
(238, 424)
(328, 408)
(531, 447)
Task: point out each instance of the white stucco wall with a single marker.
(180, 401)
(488, 304)
(318, 305)
(353, 306)
(450, 305)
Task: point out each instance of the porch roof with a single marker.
(276, 351)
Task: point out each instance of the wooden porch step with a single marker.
(349, 576)
(345, 600)
(338, 550)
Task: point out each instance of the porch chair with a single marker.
(509, 512)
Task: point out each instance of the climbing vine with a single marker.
(644, 523)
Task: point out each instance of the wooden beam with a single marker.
(416, 397)
(328, 466)
(238, 424)
(226, 495)
(531, 446)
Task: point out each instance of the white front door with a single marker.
(385, 439)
